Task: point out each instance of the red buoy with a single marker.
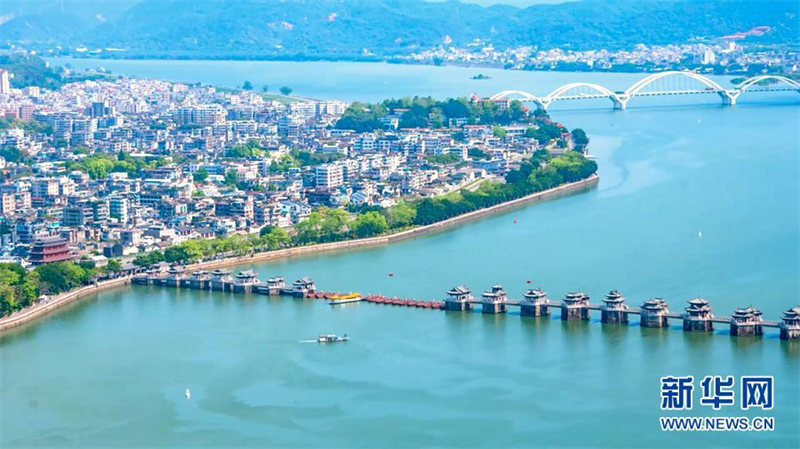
(391, 274)
(529, 281)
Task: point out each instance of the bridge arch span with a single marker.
(509, 93)
(621, 99)
(602, 91)
(525, 96)
(750, 82)
(646, 81)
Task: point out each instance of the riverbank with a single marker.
(626, 69)
(27, 315)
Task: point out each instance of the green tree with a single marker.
(250, 149)
(544, 133)
(201, 175)
(286, 90)
(579, 138)
(148, 259)
(499, 131)
(265, 88)
(59, 277)
(11, 273)
(9, 302)
(477, 153)
(12, 154)
(368, 224)
(231, 178)
(400, 215)
(247, 85)
(274, 237)
(114, 266)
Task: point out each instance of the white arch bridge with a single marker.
(658, 84)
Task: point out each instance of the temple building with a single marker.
(534, 303)
(573, 306)
(50, 249)
(494, 300)
(698, 316)
(458, 298)
(654, 313)
(614, 309)
(746, 321)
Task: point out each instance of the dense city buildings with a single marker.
(113, 169)
(727, 56)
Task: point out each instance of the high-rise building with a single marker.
(7, 203)
(199, 115)
(5, 82)
(25, 112)
(118, 208)
(100, 109)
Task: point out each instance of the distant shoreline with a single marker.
(32, 313)
(355, 59)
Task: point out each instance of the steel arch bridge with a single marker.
(657, 84)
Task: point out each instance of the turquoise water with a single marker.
(111, 371)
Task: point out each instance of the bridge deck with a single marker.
(630, 310)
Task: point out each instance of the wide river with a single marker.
(695, 199)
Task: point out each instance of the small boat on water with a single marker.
(345, 299)
(331, 338)
(188, 394)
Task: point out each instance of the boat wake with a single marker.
(307, 341)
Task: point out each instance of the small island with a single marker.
(481, 76)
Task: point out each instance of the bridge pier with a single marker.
(573, 307)
(698, 316)
(619, 104)
(746, 321)
(728, 98)
(458, 298)
(614, 310)
(790, 324)
(220, 278)
(494, 300)
(534, 303)
(174, 276)
(199, 280)
(245, 280)
(654, 313)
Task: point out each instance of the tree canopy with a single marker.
(426, 112)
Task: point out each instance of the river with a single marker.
(695, 199)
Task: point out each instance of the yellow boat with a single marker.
(345, 299)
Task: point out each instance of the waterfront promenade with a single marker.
(40, 309)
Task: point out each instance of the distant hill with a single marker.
(55, 22)
(346, 29)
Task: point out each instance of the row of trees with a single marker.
(284, 90)
(426, 112)
(19, 287)
(270, 238)
(98, 166)
(540, 173)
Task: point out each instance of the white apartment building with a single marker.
(329, 176)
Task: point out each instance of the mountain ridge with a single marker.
(385, 28)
